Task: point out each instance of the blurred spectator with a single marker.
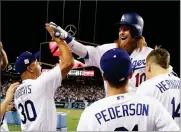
(72, 91)
(79, 93)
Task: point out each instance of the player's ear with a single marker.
(149, 68)
(29, 69)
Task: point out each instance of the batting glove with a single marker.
(59, 32)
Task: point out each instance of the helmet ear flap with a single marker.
(135, 33)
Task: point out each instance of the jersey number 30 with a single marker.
(25, 112)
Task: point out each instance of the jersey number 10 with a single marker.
(140, 78)
(25, 111)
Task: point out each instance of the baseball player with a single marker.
(9, 96)
(130, 39)
(3, 121)
(34, 98)
(160, 84)
(123, 111)
(6, 106)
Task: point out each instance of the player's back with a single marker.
(125, 112)
(35, 106)
(166, 88)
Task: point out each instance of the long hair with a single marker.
(140, 43)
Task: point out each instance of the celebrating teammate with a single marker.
(7, 106)
(9, 96)
(122, 111)
(130, 39)
(34, 98)
(160, 84)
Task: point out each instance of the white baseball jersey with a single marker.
(138, 59)
(126, 112)
(3, 122)
(4, 125)
(34, 100)
(166, 88)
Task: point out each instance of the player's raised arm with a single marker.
(89, 53)
(66, 57)
(54, 77)
(75, 46)
(8, 98)
(4, 59)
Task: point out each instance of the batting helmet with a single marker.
(135, 21)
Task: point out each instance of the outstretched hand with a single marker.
(52, 32)
(10, 91)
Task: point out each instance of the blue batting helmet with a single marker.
(135, 21)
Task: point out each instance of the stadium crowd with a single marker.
(79, 92)
(116, 78)
(76, 92)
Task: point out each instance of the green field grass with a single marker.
(73, 116)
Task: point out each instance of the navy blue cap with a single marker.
(24, 60)
(116, 65)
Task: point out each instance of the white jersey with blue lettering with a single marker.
(3, 124)
(138, 59)
(166, 88)
(34, 100)
(126, 112)
(3, 121)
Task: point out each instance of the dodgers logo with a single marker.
(123, 18)
(137, 64)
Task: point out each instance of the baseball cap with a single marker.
(116, 65)
(24, 60)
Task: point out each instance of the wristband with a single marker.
(68, 39)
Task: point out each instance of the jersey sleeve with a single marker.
(94, 57)
(82, 126)
(85, 122)
(95, 54)
(163, 120)
(51, 80)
